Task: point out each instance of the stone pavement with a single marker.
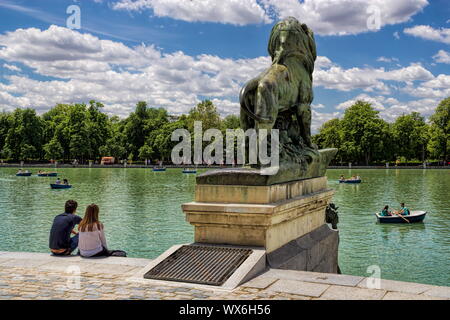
(42, 276)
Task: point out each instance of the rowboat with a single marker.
(60, 186)
(415, 216)
(350, 181)
(23, 174)
(159, 169)
(51, 174)
(189, 171)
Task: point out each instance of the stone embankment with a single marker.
(41, 276)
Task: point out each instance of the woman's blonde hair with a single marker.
(90, 219)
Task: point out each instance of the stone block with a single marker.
(399, 286)
(258, 194)
(352, 293)
(315, 251)
(260, 282)
(407, 296)
(298, 287)
(439, 292)
(268, 225)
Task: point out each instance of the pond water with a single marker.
(142, 214)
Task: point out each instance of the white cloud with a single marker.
(340, 17)
(396, 35)
(437, 88)
(325, 17)
(429, 33)
(377, 102)
(12, 67)
(442, 57)
(368, 79)
(238, 12)
(319, 118)
(388, 60)
(391, 108)
(86, 67)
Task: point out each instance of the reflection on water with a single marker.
(142, 214)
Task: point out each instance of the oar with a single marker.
(401, 217)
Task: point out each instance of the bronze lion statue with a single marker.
(281, 96)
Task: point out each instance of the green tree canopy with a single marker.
(440, 131)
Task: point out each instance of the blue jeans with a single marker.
(74, 242)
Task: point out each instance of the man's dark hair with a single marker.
(71, 206)
(402, 204)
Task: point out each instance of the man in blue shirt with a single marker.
(404, 211)
(60, 242)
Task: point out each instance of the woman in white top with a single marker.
(92, 240)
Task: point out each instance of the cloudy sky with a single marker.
(174, 53)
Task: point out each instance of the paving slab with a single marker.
(259, 282)
(42, 276)
(398, 286)
(315, 277)
(407, 296)
(352, 293)
(135, 262)
(441, 292)
(23, 263)
(298, 287)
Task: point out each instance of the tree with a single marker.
(145, 152)
(205, 112)
(440, 131)
(363, 133)
(115, 145)
(5, 119)
(53, 150)
(231, 122)
(135, 130)
(330, 136)
(410, 136)
(24, 138)
(98, 129)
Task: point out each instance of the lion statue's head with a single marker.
(290, 37)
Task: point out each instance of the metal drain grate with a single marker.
(199, 264)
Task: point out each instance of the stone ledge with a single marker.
(244, 194)
(38, 282)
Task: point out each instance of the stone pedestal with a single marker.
(275, 217)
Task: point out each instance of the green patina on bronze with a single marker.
(280, 98)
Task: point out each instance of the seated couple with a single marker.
(90, 239)
(404, 211)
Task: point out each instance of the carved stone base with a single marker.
(256, 177)
(265, 216)
(316, 251)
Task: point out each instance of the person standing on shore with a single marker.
(60, 242)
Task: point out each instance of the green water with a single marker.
(142, 214)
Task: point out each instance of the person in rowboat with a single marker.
(66, 182)
(342, 178)
(385, 212)
(404, 211)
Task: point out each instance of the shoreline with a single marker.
(41, 276)
(131, 166)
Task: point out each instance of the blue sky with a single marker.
(173, 53)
